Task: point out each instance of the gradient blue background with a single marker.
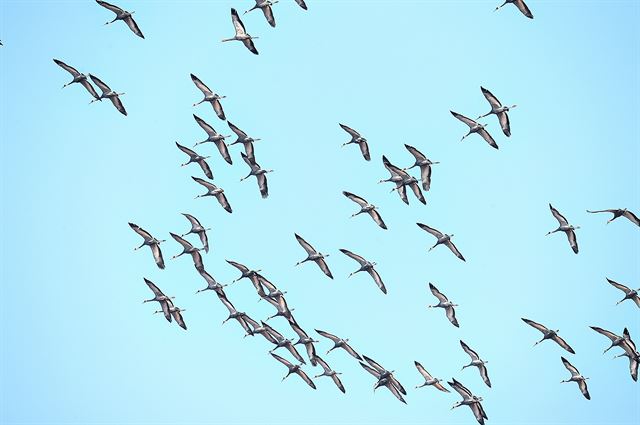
(77, 345)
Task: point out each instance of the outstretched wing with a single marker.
(487, 137)
(248, 43)
(71, 70)
(115, 9)
(573, 241)
(157, 255)
(563, 221)
(203, 88)
(332, 337)
(468, 121)
(237, 23)
(619, 286)
(324, 267)
(356, 257)
(217, 107)
(377, 218)
(351, 131)
(306, 245)
(469, 351)
(562, 343)
(355, 198)
(156, 291)
(571, 368)
(377, 279)
(451, 315)
(439, 295)
(493, 101)
(118, 104)
(101, 85)
(454, 249)
(522, 6)
(364, 148)
(438, 234)
(419, 156)
(133, 26)
(536, 325)
(632, 217)
(485, 375)
(503, 118)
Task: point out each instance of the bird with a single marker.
(265, 5)
(428, 379)
(302, 4)
(365, 266)
(616, 341)
(212, 284)
(576, 377)
(619, 213)
(443, 302)
(244, 270)
(209, 96)
(306, 340)
(241, 33)
(499, 110)
(281, 342)
(213, 190)
(443, 239)
(107, 93)
(475, 127)
(297, 369)
(565, 227)
(468, 399)
(259, 329)
(366, 207)
(164, 301)
(123, 15)
(239, 316)
(327, 371)
(77, 78)
(243, 138)
(151, 242)
(383, 381)
(313, 255)
(549, 334)
(176, 312)
(424, 164)
(197, 229)
(339, 343)
(280, 303)
(214, 137)
(383, 373)
(629, 294)
(357, 139)
(521, 5)
(477, 362)
(187, 248)
(260, 173)
(402, 179)
(195, 158)
(631, 352)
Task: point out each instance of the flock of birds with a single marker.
(269, 292)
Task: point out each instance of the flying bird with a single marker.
(498, 110)
(475, 127)
(366, 207)
(195, 158)
(339, 343)
(176, 312)
(577, 378)
(549, 334)
(107, 93)
(629, 294)
(212, 284)
(382, 373)
(209, 96)
(297, 369)
(327, 371)
(283, 310)
(151, 242)
(619, 213)
(122, 15)
(565, 227)
(313, 255)
(443, 302)
(521, 5)
(443, 239)
(187, 248)
(164, 301)
(239, 316)
(468, 399)
(214, 137)
(366, 266)
(402, 179)
(213, 190)
(306, 340)
(281, 342)
(77, 78)
(428, 379)
(383, 381)
(260, 173)
(241, 33)
(616, 340)
(424, 164)
(357, 139)
(265, 6)
(243, 138)
(477, 362)
(197, 229)
(245, 272)
(631, 352)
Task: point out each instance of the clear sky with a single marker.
(77, 346)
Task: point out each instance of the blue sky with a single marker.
(77, 345)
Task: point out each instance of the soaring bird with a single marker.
(424, 164)
(443, 302)
(213, 190)
(428, 379)
(631, 352)
(521, 5)
(382, 373)
(164, 301)
(241, 33)
(281, 342)
(195, 158)
(239, 316)
(549, 334)
(297, 369)
(259, 172)
(366, 207)
(576, 377)
(77, 78)
(477, 362)
(327, 371)
(383, 381)
(122, 15)
(197, 229)
(475, 127)
(243, 138)
(616, 340)
(357, 139)
(339, 343)
(565, 227)
(212, 284)
(209, 96)
(265, 6)
(306, 340)
(151, 242)
(283, 310)
(107, 93)
(468, 399)
(402, 179)
(366, 266)
(619, 213)
(313, 255)
(214, 137)
(187, 248)
(443, 239)
(629, 294)
(498, 110)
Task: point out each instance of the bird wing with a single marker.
(620, 286)
(274, 333)
(633, 368)
(243, 269)
(302, 4)
(436, 292)
(503, 118)
(164, 305)
(157, 255)
(205, 168)
(377, 366)
(415, 187)
(441, 387)
(606, 333)
(118, 104)
(295, 353)
(306, 245)
(402, 192)
(268, 13)
(222, 199)
(323, 364)
(264, 281)
(493, 101)
(356, 257)
(426, 375)
(306, 378)
(332, 337)
(241, 134)
(395, 391)
(237, 23)
(139, 230)
(190, 152)
(298, 330)
(522, 6)
(185, 244)
(377, 279)
(370, 370)
(87, 85)
(338, 382)
(179, 319)
(204, 125)
(224, 151)
(468, 121)
(536, 325)
(377, 218)
(324, 267)
(469, 351)
(425, 176)
(101, 85)
(197, 260)
(632, 217)
(451, 315)
(248, 43)
(355, 198)
(419, 156)
(282, 360)
(217, 107)
(351, 131)
(156, 291)
(262, 185)
(438, 234)
(200, 85)
(115, 9)
(571, 236)
(204, 239)
(477, 412)
(394, 169)
(571, 368)
(133, 26)
(487, 137)
(223, 298)
(460, 389)
(208, 185)
(71, 70)
(485, 375)
(563, 221)
(194, 221)
(583, 389)
(351, 351)
(364, 148)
